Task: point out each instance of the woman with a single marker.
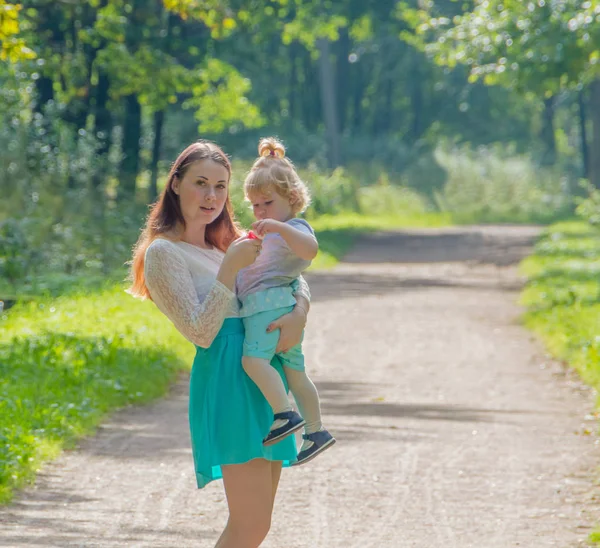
(186, 261)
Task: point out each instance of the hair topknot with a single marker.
(272, 170)
(269, 146)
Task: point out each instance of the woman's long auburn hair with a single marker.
(165, 217)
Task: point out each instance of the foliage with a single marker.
(387, 198)
(220, 101)
(492, 185)
(12, 47)
(331, 192)
(532, 46)
(240, 66)
(489, 185)
(594, 537)
(215, 14)
(14, 252)
(588, 208)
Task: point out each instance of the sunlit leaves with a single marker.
(215, 14)
(12, 47)
(151, 74)
(542, 46)
(362, 29)
(304, 21)
(219, 97)
(308, 28)
(110, 25)
(214, 89)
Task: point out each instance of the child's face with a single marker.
(271, 205)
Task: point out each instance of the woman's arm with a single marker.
(170, 284)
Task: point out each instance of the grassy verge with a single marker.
(563, 300)
(562, 295)
(66, 362)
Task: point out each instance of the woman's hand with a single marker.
(243, 252)
(240, 254)
(291, 326)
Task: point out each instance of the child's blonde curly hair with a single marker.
(273, 171)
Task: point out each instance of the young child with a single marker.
(265, 290)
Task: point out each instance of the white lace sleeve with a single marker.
(302, 289)
(172, 289)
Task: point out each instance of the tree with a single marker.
(12, 46)
(534, 47)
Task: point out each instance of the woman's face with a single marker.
(202, 191)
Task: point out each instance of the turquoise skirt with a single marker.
(229, 416)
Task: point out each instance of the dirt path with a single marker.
(454, 429)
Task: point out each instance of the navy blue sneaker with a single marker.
(294, 422)
(314, 444)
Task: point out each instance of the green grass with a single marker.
(562, 295)
(66, 363)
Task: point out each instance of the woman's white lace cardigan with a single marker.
(181, 279)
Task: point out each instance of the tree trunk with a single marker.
(102, 127)
(358, 91)
(342, 70)
(585, 157)
(293, 110)
(388, 111)
(311, 116)
(159, 118)
(328, 102)
(594, 150)
(132, 133)
(547, 134)
(45, 92)
(416, 96)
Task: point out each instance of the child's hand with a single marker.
(266, 226)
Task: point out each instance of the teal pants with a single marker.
(260, 344)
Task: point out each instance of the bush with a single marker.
(388, 199)
(589, 208)
(15, 255)
(487, 185)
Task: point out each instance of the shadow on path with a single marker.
(496, 245)
(462, 258)
(348, 399)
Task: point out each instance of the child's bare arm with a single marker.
(302, 244)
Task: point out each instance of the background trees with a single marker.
(341, 81)
(539, 49)
(98, 97)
